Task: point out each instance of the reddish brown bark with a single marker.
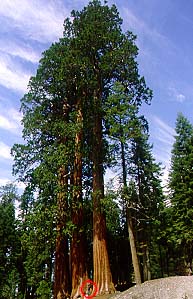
(61, 275)
(77, 258)
(78, 264)
(102, 272)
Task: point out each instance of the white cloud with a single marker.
(38, 20)
(10, 120)
(12, 77)
(163, 132)
(5, 151)
(180, 98)
(4, 181)
(165, 180)
(6, 123)
(176, 95)
(22, 51)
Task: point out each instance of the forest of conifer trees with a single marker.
(82, 119)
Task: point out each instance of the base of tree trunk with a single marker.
(102, 273)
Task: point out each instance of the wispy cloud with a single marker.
(151, 42)
(13, 77)
(163, 135)
(175, 95)
(17, 49)
(5, 151)
(163, 132)
(16, 115)
(162, 154)
(10, 120)
(38, 20)
(136, 24)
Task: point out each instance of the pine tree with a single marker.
(123, 124)
(142, 192)
(181, 190)
(8, 242)
(146, 174)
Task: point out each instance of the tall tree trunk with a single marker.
(102, 272)
(167, 262)
(146, 263)
(61, 275)
(135, 260)
(22, 285)
(78, 252)
(161, 261)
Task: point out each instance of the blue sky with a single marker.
(164, 32)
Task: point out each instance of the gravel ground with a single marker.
(178, 287)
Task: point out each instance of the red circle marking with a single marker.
(95, 290)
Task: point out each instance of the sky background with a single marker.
(164, 32)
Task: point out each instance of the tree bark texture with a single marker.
(78, 248)
(102, 272)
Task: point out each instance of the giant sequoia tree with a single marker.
(65, 145)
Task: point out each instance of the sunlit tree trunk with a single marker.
(135, 260)
(102, 272)
(78, 252)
